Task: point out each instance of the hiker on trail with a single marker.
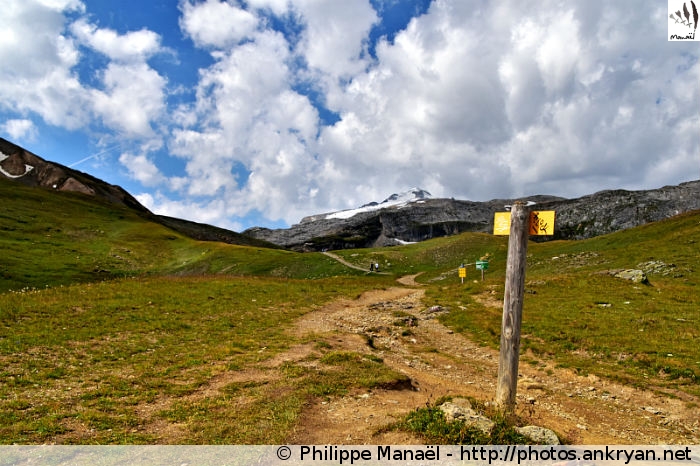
(376, 266)
(371, 267)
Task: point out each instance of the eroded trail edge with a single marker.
(439, 362)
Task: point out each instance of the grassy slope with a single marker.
(80, 362)
(576, 313)
(594, 322)
(104, 315)
(50, 239)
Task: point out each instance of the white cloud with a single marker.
(211, 212)
(473, 99)
(417, 117)
(40, 61)
(250, 121)
(142, 169)
(456, 103)
(132, 46)
(278, 7)
(562, 102)
(21, 129)
(336, 35)
(217, 24)
(62, 5)
(134, 97)
(37, 61)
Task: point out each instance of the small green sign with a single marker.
(482, 265)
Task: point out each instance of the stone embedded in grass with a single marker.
(539, 435)
(433, 311)
(635, 275)
(461, 409)
(658, 267)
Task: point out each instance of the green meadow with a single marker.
(112, 326)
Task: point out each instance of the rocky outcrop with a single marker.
(584, 217)
(29, 169)
(614, 210)
(393, 225)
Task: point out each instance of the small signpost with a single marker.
(519, 223)
(482, 265)
(462, 272)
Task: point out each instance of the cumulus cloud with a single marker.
(37, 75)
(133, 97)
(216, 23)
(255, 131)
(20, 129)
(336, 34)
(142, 169)
(293, 116)
(456, 104)
(132, 46)
(471, 100)
(211, 212)
(40, 76)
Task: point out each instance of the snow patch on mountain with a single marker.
(395, 200)
(27, 168)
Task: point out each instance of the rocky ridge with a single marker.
(584, 217)
(408, 217)
(29, 169)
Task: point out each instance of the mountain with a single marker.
(406, 217)
(395, 200)
(22, 166)
(29, 169)
(415, 216)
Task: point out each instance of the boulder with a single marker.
(539, 435)
(461, 409)
(635, 275)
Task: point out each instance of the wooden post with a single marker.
(512, 308)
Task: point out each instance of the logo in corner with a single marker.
(682, 20)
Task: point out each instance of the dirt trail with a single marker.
(587, 410)
(348, 264)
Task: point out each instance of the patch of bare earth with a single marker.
(586, 410)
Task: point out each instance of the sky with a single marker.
(244, 113)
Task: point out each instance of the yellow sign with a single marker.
(462, 272)
(501, 223)
(541, 223)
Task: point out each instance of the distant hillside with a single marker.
(584, 217)
(24, 167)
(53, 238)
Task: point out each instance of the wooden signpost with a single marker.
(520, 223)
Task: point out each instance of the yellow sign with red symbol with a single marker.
(541, 223)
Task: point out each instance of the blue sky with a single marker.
(259, 112)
